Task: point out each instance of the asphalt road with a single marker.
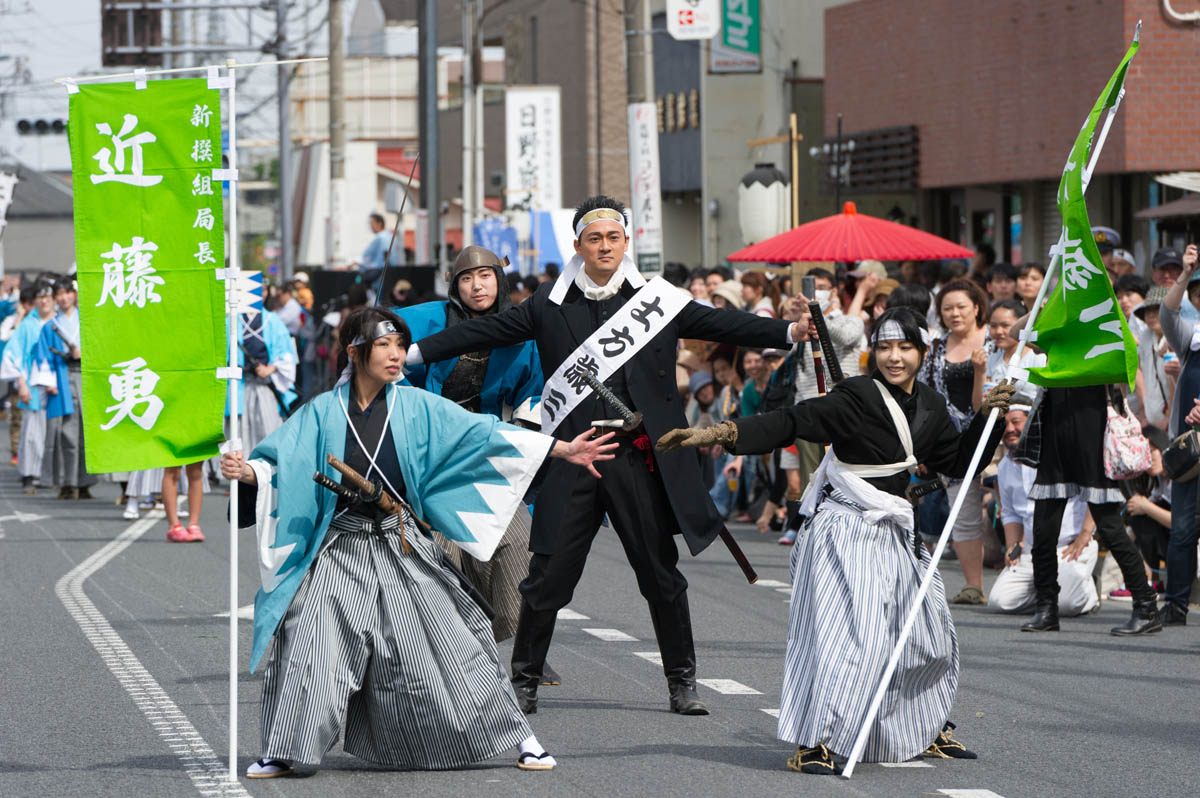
(115, 683)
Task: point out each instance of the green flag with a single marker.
(1081, 329)
(149, 237)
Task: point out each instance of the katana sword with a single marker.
(633, 421)
(831, 361)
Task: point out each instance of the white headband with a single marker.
(891, 330)
(600, 215)
(382, 328)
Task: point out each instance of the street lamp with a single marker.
(836, 156)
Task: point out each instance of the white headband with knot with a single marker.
(382, 328)
(891, 330)
(628, 268)
(600, 215)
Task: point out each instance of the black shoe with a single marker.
(946, 747)
(527, 699)
(550, 676)
(684, 700)
(67, 493)
(1143, 620)
(1172, 615)
(1045, 618)
(27, 486)
(84, 493)
(817, 761)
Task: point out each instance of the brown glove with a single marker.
(999, 397)
(723, 434)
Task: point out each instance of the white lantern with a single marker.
(763, 198)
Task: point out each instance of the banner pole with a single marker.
(231, 286)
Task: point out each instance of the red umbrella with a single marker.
(850, 236)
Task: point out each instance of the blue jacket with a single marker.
(513, 376)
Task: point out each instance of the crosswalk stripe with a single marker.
(772, 583)
(772, 712)
(728, 687)
(611, 635)
(916, 763)
(649, 656)
(568, 614)
(956, 793)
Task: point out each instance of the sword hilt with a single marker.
(630, 418)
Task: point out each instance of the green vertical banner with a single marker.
(149, 237)
(1081, 328)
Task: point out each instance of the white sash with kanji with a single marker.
(637, 323)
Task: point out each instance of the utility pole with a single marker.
(430, 168)
(287, 254)
(468, 123)
(337, 135)
(645, 192)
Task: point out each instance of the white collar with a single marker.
(627, 272)
(592, 290)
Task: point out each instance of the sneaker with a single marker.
(1120, 595)
(788, 538)
(178, 534)
(13, 461)
(194, 532)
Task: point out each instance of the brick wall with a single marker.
(998, 90)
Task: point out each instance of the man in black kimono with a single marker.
(648, 497)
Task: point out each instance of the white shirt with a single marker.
(1014, 481)
(599, 292)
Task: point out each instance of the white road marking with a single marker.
(970, 794)
(611, 635)
(772, 712)
(772, 583)
(916, 763)
(209, 774)
(568, 614)
(244, 613)
(23, 518)
(787, 590)
(649, 656)
(728, 687)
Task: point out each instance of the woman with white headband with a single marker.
(378, 641)
(856, 565)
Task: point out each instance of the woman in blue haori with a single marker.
(376, 639)
(16, 365)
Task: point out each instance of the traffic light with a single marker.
(41, 127)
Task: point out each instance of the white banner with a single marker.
(645, 189)
(641, 318)
(533, 147)
(693, 19)
(7, 182)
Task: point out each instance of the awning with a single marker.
(1187, 206)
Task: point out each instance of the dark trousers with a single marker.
(637, 506)
(1110, 532)
(1181, 552)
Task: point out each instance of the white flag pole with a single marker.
(231, 286)
(927, 580)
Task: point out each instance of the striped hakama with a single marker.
(260, 414)
(853, 584)
(32, 444)
(498, 578)
(388, 648)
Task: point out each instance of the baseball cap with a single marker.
(1125, 255)
(1165, 257)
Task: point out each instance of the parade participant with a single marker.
(499, 383)
(373, 630)
(25, 299)
(1013, 590)
(268, 358)
(57, 368)
(17, 364)
(601, 317)
(857, 566)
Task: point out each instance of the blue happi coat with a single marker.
(464, 474)
(513, 377)
(49, 368)
(281, 353)
(17, 359)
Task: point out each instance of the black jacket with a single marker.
(649, 375)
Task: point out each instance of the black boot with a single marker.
(532, 641)
(1172, 614)
(1143, 620)
(673, 628)
(27, 486)
(1045, 618)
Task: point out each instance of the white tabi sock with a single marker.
(532, 746)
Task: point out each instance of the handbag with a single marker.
(1126, 450)
(1181, 460)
